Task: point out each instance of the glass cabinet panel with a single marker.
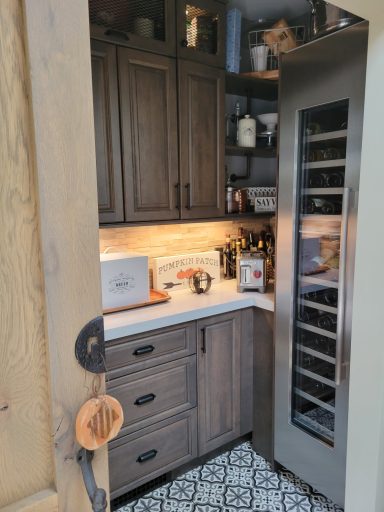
(321, 173)
(200, 29)
(143, 18)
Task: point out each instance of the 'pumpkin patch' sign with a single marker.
(172, 273)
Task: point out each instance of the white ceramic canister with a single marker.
(247, 132)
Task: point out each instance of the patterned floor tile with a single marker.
(235, 481)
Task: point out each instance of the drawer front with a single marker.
(139, 457)
(129, 355)
(152, 395)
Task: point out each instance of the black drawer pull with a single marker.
(144, 350)
(145, 399)
(147, 456)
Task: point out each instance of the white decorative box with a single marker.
(124, 279)
(172, 273)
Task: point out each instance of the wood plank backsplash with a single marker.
(173, 239)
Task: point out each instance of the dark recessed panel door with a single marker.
(107, 132)
(149, 135)
(201, 110)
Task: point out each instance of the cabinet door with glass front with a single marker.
(142, 24)
(322, 224)
(201, 31)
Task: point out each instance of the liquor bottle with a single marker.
(233, 257)
(227, 258)
(251, 241)
(244, 246)
(237, 117)
(238, 251)
(261, 243)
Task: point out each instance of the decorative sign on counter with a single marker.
(172, 273)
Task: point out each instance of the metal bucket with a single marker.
(328, 18)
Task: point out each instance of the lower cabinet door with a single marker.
(151, 452)
(218, 380)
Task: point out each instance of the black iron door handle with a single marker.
(145, 399)
(146, 456)
(188, 189)
(203, 342)
(177, 187)
(144, 350)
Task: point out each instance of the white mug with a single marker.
(260, 57)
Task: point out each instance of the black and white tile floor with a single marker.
(236, 481)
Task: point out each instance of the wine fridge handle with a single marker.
(341, 301)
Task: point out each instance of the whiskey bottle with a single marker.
(227, 259)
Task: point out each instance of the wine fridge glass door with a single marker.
(318, 304)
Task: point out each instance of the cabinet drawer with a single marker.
(153, 395)
(129, 355)
(142, 456)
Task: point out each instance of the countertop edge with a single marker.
(126, 327)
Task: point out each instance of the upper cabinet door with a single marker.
(147, 85)
(201, 31)
(107, 132)
(201, 111)
(142, 24)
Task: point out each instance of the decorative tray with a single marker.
(155, 297)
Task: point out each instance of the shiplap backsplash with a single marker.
(173, 239)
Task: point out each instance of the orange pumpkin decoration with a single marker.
(98, 421)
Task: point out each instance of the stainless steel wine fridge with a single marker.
(321, 119)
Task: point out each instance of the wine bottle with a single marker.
(327, 322)
(227, 258)
(334, 179)
(315, 180)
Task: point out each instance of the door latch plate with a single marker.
(90, 346)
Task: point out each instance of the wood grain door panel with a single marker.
(219, 381)
(107, 132)
(201, 111)
(149, 135)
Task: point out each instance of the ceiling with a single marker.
(271, 9)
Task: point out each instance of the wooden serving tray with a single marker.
(266, 75)
(155, 297)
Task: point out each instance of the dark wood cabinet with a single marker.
(107, 132)
(142, 24)
(218, 380)
(148, 107)
(201, 28)
(201, 133)
(155, 378)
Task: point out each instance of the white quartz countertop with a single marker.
(185, 306)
